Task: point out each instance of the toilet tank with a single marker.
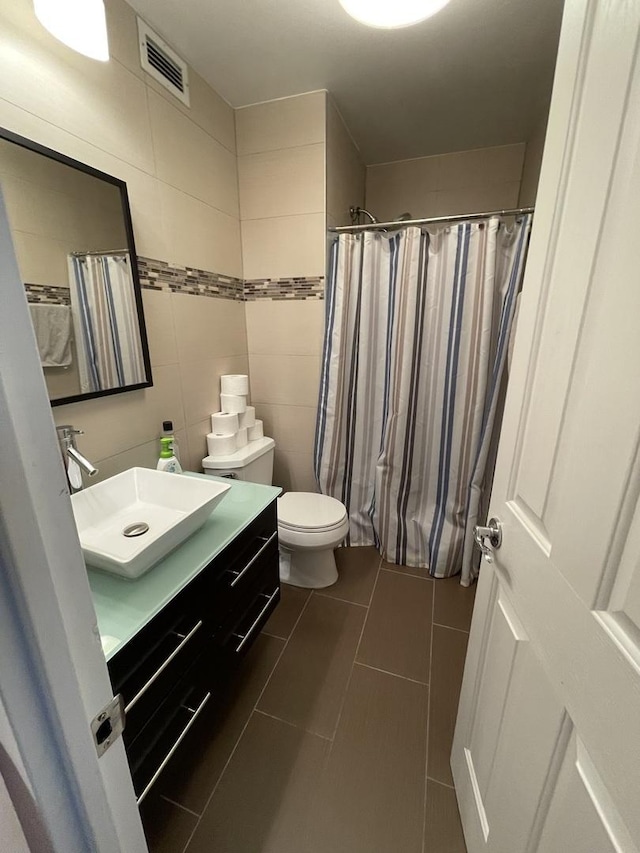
(253, 463)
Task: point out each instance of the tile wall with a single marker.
(298, 167)
(346, 172)
(281, 171)
(221, 200)
(180, 169)
(461, 182)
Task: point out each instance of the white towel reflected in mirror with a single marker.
(52, 325)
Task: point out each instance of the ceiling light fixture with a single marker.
(80, 24)
(392, 14)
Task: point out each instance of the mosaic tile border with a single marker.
(47, 294)
(172, 278)
(158, 275)
(309, 287)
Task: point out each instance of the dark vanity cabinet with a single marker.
(180, 661)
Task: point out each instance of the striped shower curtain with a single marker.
(105, 321)
(417, 327)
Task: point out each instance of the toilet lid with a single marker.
(310, 511)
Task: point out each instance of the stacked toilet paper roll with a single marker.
(235, 425)
(233, 403)
(235, 383)
(224, 423)
(222, 445)
(248, 417)
(256, 431)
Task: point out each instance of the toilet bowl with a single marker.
(310, 525)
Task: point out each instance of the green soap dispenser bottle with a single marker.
(167, 460)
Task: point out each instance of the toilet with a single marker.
(310, 525)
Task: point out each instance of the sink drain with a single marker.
(136, 529)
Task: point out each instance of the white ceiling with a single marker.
(478, 73)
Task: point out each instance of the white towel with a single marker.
(52, 325)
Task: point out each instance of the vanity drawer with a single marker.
(165, 731)
(149, 685)
(236, 637)
(240, 567)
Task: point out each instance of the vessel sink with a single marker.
(129, 522)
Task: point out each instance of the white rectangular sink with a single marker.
(129, 522)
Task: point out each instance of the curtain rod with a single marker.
(105, 252)
(402, 223)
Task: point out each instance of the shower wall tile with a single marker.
(286, 123)
(446, 184)
(282, 148)
(292, 427)
(282, 380)
(285, 328)
(345, 170)
(283, 246)
(283, 182)
(294, 472)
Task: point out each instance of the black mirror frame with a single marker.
(10, 136)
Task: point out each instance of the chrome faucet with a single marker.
(72, 458)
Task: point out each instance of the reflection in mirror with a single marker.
(74, 245)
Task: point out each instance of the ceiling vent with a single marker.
(163, 63)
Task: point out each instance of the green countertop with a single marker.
(124, 607)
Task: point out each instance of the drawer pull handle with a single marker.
(254, 558)
(244, 638)
(163, 666)
(167, 757)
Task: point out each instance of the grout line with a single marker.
(346, 689)
(335, 598)
(274, 636)
(393, 674)
(426, 751)
(244, 728)
(406, 574)
(450, 628)
(291, 725)
(179, 806)
(438, 782)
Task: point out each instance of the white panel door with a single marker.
(546, 755)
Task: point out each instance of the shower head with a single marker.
(403, 217)
(355, 215)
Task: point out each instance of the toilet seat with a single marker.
(309, 512)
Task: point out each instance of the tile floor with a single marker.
(344, 701)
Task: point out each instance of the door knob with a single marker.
(492, 532)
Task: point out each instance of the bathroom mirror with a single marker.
(72, 233)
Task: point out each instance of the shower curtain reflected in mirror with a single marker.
(105, 322)
(416, 336)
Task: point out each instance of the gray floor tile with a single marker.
(447, 666)
(397, 636)
(454, 603)
(193, 774)
(285, 616)
(308, 685)
(371, 797)
(357, 569)
(167, 827)
(443, 830)
(263, 800)
(407, 570)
